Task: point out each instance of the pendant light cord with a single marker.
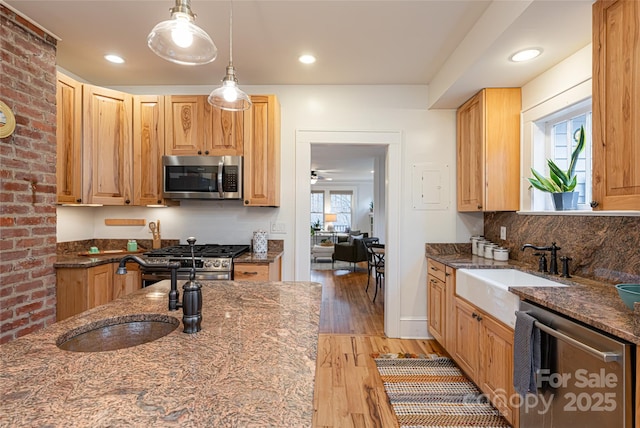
(231, 35)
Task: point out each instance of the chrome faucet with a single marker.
(553, 263)
(192, 299)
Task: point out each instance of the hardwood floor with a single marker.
(348, 391)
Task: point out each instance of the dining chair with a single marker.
(370, 259)
(376, 257)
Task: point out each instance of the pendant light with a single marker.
(229, 96)
(180, 40)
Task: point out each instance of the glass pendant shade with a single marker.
(181, 41)
(229, 96)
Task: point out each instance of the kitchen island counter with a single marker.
(252, 364)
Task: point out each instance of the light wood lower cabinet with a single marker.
(496, 366)
(80, 289)
(440, 301)
(263, 272)
(480, 345)
(484, 351)
(466, 347)
(127, 283)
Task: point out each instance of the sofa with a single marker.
(352, 250)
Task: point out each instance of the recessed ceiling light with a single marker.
(525, 55)
(114, 58)
(307, 59)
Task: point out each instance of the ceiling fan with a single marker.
(315, 177)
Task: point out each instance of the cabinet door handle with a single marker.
(474, 315)
(249, 273)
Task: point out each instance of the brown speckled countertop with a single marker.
(253, 364)
(258, 258)
(592, 302)
(76, 261)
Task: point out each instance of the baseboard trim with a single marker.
(414, 328)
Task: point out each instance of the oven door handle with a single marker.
(220, 189)
(607, 357)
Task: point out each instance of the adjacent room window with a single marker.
(317, 209)
(342, 205)
(555, 139)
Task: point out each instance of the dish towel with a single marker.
(526, 353)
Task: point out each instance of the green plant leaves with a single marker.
(560, 181)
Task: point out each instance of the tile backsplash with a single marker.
(601, 247)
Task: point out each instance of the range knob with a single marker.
(207, 264)
(225, 264)
(216, 264)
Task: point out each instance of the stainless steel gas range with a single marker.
(212, 262)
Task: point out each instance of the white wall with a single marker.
(427, 136)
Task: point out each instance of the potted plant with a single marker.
(561, 184)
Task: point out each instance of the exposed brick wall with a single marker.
(27, 178)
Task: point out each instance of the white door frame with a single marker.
(302, 265)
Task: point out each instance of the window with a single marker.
(555, 139)
(341, 204)
(317, 209)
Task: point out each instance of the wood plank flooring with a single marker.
(348, 391)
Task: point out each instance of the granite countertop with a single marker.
(592, 302)
(253, 364)
(75, 261)
(258, 258)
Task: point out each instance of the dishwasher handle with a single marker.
(607, 357)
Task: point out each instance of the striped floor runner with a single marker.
(431, 392)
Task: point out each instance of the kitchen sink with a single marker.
(488, 289)
(117, 333)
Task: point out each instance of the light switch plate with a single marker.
(278, 228)
(503, 232)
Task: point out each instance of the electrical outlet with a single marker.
(278, 228)
(503, 232)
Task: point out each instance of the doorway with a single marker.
(389, 201)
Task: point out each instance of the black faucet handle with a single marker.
(542, 262)
(565, 266)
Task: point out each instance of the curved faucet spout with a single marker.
(525, 246)
(174, 266)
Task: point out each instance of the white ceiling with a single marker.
(454, 46)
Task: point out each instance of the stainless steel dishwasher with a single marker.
(586, 378)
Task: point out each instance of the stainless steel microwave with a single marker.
(202, 177)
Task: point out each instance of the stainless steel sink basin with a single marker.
(488, 289)
(117, 333)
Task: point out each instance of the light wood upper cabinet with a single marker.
(69, 140)
(224, 131)
(184, 125)
(107, 147)
(488, 151)
(194, 128)
(262, 152)
(148, 148)
(616, 104)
